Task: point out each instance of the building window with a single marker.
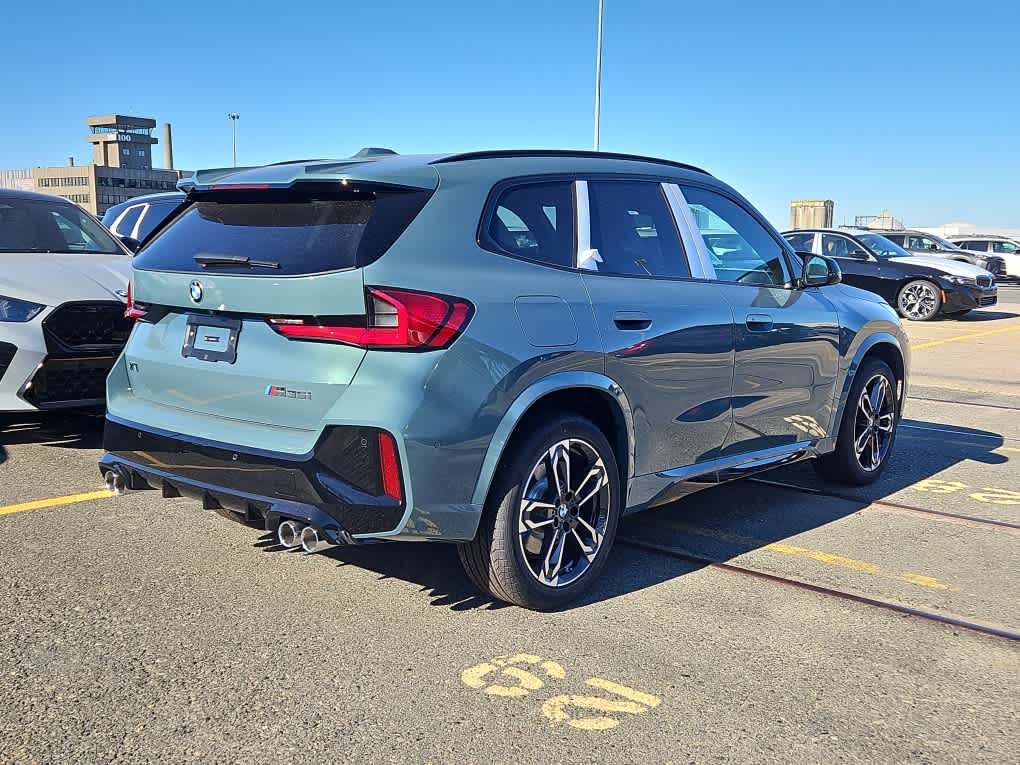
(126, 152)
(140, 152)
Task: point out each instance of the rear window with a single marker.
(299, 235)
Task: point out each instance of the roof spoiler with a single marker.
(369, 165)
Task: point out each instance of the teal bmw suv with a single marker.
(507, 350)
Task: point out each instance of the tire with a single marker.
(509, 564)
(919, 300)
(844, 465)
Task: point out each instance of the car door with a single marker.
(787, 339)
(667, 332)
(860, 268)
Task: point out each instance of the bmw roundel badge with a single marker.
(195, 290)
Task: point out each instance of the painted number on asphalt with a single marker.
(520, 674)
(989, 494)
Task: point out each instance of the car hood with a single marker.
(52, 279)
(954, 267)
(856, 293)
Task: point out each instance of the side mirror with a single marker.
(859, 254)
(130, 242)
(820, 271)
(933, 246)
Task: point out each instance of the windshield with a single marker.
(31, 225)
(882, 247)
(945, 244)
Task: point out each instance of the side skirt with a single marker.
(655, 489)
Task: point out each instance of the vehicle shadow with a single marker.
(716, 524)
(980, 315)
(74, 430)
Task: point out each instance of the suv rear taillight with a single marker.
(134, 310)
(395, 319)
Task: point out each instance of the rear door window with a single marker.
(976, 246)
(633, 230)
(288, 236)
(534, 221)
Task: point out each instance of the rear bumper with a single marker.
(328, 488)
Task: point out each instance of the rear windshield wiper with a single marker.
(210, 261)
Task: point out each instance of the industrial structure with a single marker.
(121, 166)
(811, 213)
(885, 221)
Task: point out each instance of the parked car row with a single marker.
(1003, 246)
(920, 287)
(921, 243)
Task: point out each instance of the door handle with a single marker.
(758, 322)
(632, 320)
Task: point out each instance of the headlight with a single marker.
(969, 280)
(18, 310)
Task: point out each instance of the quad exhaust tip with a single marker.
(311, 542)
(115, 482)
(288, 534)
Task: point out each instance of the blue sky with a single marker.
(872, 104)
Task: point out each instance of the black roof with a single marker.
(506, 153)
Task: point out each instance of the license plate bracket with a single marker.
(211, 338)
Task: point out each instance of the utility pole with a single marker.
(598, 77)
(233, 117)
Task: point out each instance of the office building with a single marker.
(121, 166)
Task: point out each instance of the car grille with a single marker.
(7, 352)
(985, 281)
(82, 326)
(69, 381)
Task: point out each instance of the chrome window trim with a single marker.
(701, 264)
(138, 223)
(120, 218)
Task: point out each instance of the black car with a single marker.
(134, 219)
(920, 287)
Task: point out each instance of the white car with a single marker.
(63, 280)
(1005, 247)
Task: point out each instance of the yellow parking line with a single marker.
(816, 555)
(54, 502)
(971, 336)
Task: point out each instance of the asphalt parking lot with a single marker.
(137, 629)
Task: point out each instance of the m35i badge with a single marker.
(278, 391)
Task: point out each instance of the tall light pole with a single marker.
(233, 117)
(598, 77)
